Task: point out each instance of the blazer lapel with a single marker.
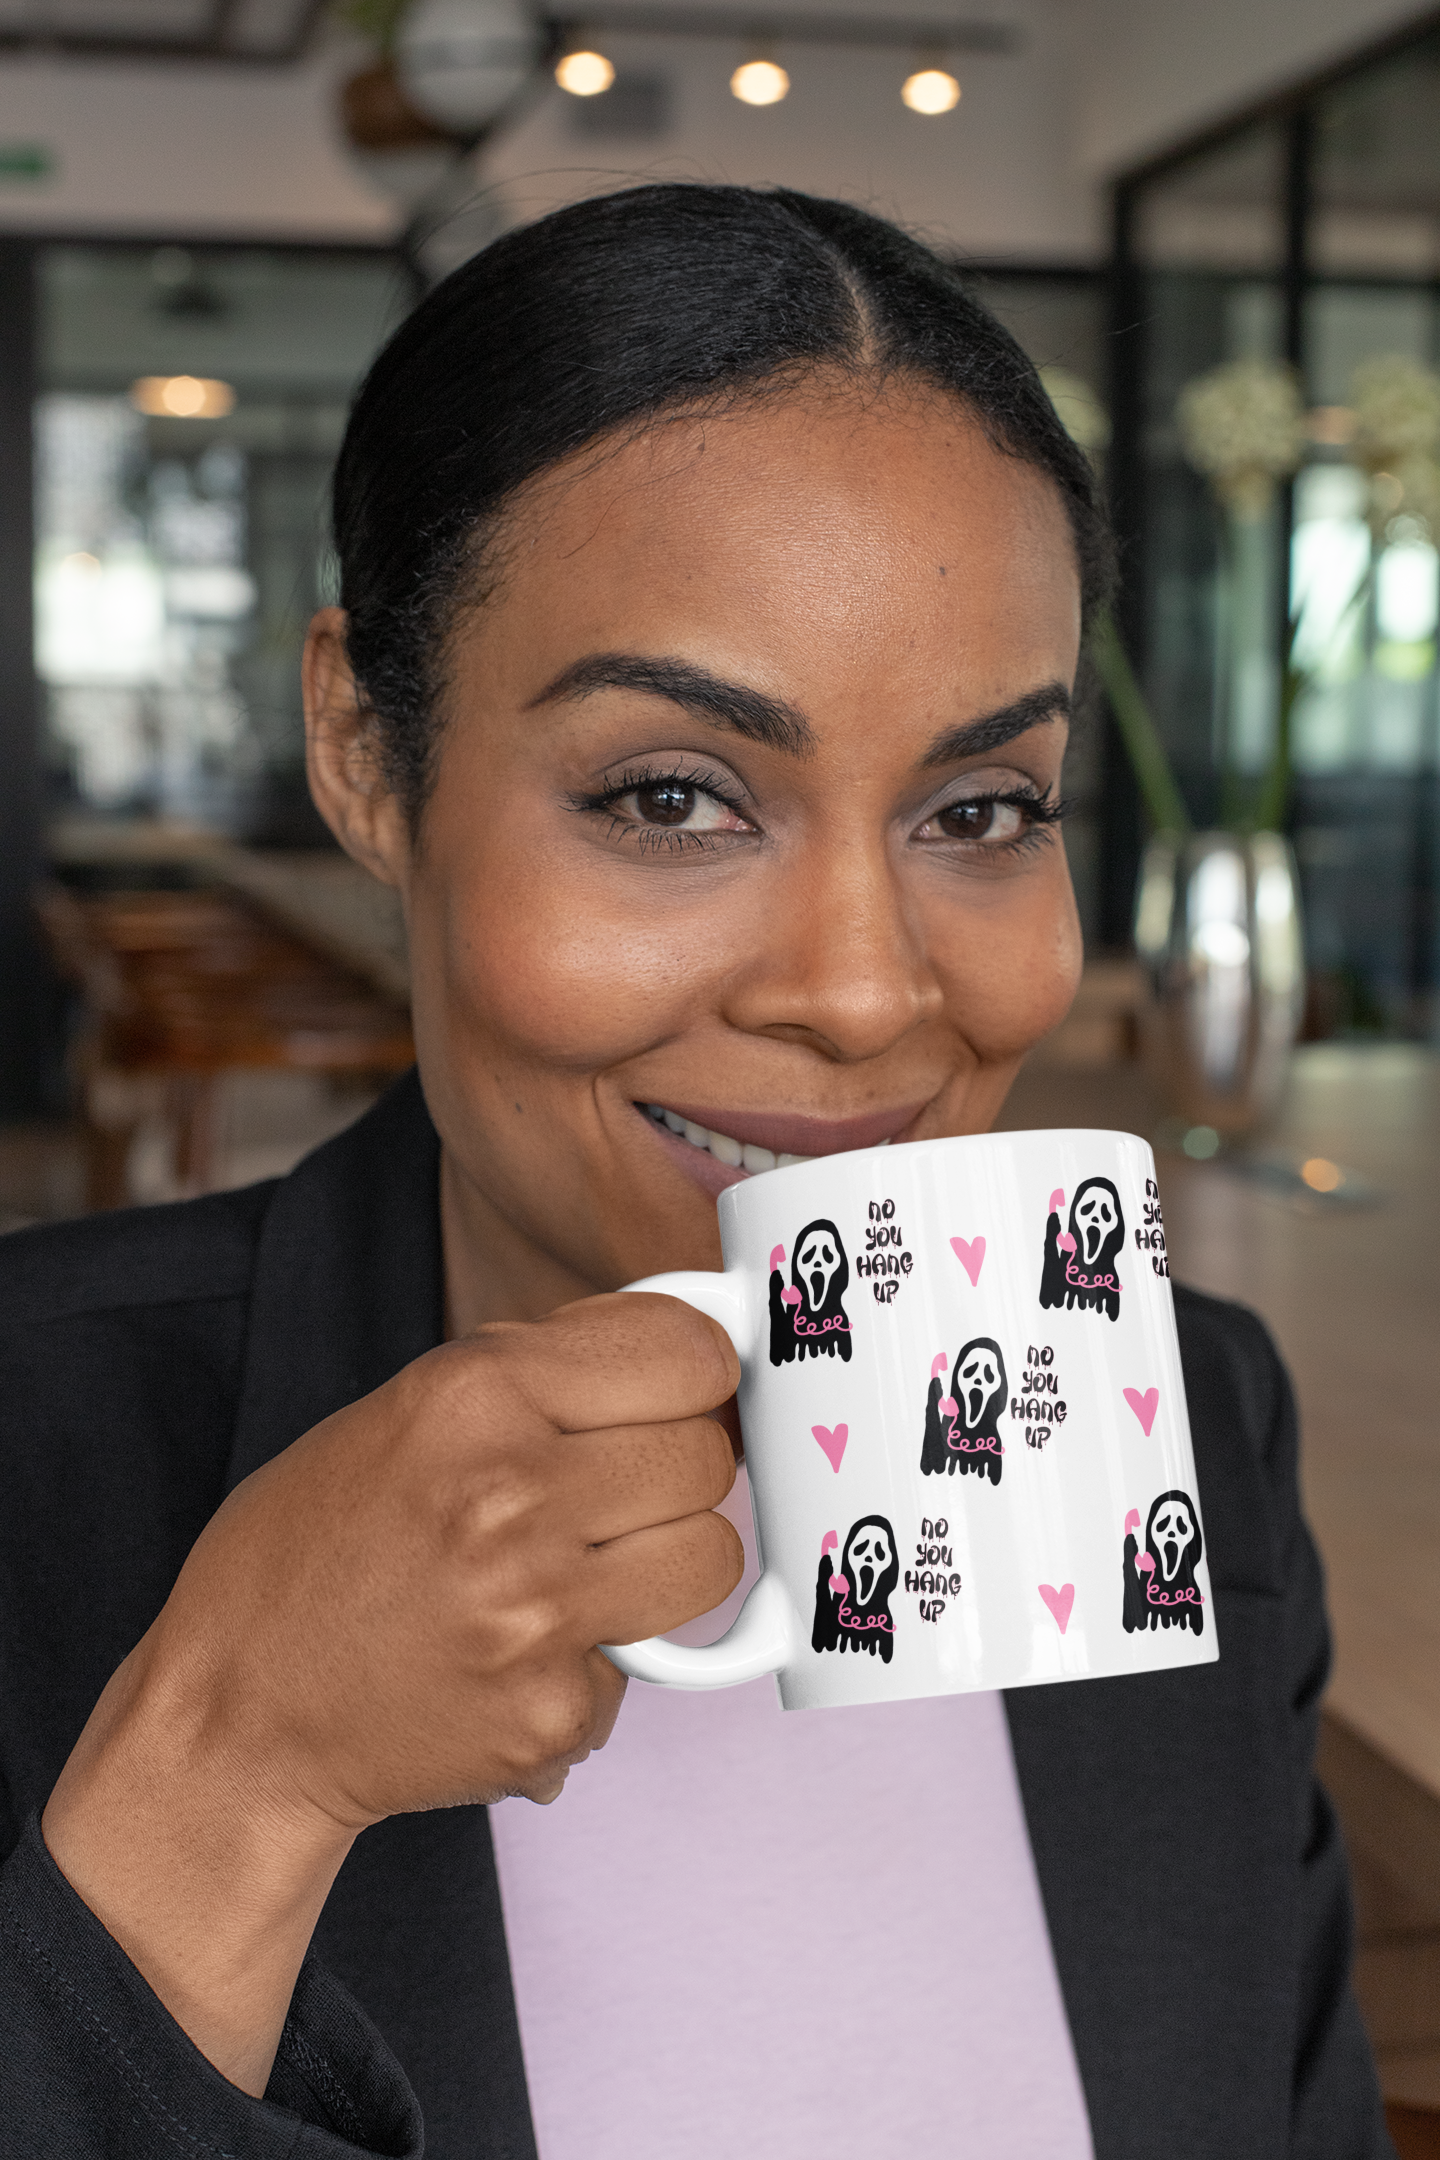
(348, 1288)
(348, 1282)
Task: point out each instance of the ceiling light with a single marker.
(182, 397)
(931, 90)
(759, 82)
(584, 74)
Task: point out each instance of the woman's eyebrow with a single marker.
(747, 712)
(993, 730)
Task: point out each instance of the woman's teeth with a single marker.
(732, 1153)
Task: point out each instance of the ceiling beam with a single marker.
(794, 27)
(749, 26)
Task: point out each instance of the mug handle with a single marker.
(762, 1638)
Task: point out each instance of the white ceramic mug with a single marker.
(964, 1423)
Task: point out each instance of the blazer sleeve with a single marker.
(95, 2068)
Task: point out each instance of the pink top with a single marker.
(741, 1934)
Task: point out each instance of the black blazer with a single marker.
(1191, 1868)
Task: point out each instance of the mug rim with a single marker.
(891, 1149)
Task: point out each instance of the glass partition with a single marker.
(1211, 255)
(1307, 241)
(191, 403)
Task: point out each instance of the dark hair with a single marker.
(600, 317)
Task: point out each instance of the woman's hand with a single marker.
(399, 1612)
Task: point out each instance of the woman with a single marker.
(713, 578)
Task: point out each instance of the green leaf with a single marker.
(1164, 804)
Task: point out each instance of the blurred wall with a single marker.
(1016, 173)
(182, 148)
(1154, 71)
(190, 149)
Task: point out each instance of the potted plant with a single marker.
(375, 112)
(1217, 926)
(1217, 921)
(1217, 918)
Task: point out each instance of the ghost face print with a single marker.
(807, 1313)
(1095, 1217)
(1081, 1266)
(819, 1257)
(1160, 1585)
(962, 1429)
(852, 1602)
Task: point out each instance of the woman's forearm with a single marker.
(209, 1883)
(399, 1612)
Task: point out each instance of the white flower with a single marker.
(1397, 412)
(1396, 438)
(1243, 425)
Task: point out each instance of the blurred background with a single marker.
(1216, 231)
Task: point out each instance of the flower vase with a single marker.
(1217, 927)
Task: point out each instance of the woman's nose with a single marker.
(841, 964)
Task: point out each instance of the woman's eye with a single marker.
(678, 806)
(981, 817)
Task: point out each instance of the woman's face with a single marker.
(738, 826)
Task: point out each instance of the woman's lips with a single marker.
(702, 1168)
(762, 1140)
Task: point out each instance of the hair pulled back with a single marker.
(598, 318)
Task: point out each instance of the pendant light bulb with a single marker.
(759, 82)
(584, 74)
(931, 90)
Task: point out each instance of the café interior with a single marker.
(1216, 232)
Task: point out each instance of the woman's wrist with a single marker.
(200, 1856)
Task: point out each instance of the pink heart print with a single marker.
(970, 1252)
(777, 1258)
(1144, 1406)
(832, 1444)
(831, 1540)
(1061, 1602)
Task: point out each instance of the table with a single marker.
(327, 900)
(183, 987)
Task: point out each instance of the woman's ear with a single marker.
(342, 761)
